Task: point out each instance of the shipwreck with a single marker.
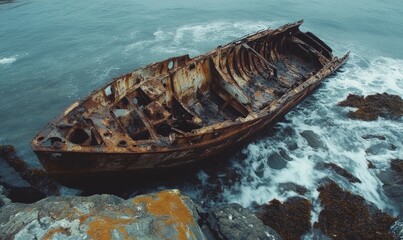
(181, 110)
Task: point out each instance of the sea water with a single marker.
(54, 52)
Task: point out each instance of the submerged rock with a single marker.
(380, 148)
(374, 106)
(313, 139)
(373, 136)
(290, 219)
(236, 222)
(348, 216)
(370, 165)
(167, 215)
(339, 170)
(290, 186)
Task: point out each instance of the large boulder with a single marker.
(163, 215)
(373, 106)
(348, 216)
(291, 219)
(235, 222)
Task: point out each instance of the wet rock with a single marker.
(275, 161)
(339, 170)
(374, 106)
(370, 165)
(24, 184)
(372, 136)
(397, 165)
(392, 180)
(290, 186)
(290, 219)
(397, 229)
(236, 222)
(4, 200)
(166, 214)
(380, 148)
(15, 187)
(312, 138)
(283, 153)
(292, 146)
(348, 216)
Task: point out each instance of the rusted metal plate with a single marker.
(181, 110)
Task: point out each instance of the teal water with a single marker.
(53, 52)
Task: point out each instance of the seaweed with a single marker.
(348, 216)
(373, 106)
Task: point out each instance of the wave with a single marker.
(191, 38)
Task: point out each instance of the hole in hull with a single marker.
(78, 136)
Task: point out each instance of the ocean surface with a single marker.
(54, 52)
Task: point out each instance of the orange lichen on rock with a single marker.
(52, 232)
(101, 228)
(171, 205)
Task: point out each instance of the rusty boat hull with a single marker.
(181, 110)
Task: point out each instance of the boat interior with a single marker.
(181, 95)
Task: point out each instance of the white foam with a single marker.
(7, 60)
(191, 38)
(340, 136)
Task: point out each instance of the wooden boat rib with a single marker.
(185, 109)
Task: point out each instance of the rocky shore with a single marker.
(169, 214)
(371, 107)
(31, 208)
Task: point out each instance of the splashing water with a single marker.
(318, 131)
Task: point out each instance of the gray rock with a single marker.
(374, 136)
(380, 148)
(166, 214)
(275, 161)
(290, 186)
(393, 186)
(236, 222)
(313, 139)
(338, 170)
(3, 199)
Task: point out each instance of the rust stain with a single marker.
(169, 204)
(145, 118)
(49, 235)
